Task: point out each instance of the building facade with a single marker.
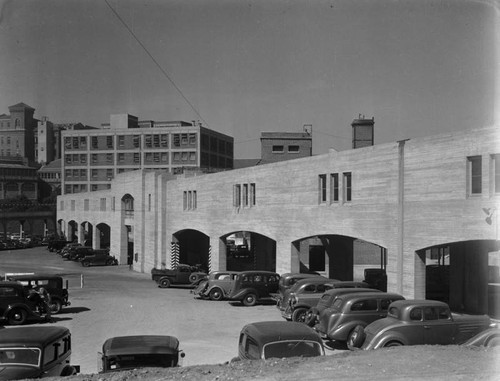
(92, 158)
(412, 199)
(17, 137)
(281, 146)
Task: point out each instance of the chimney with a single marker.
(362, 132)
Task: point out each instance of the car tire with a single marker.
(393, 344)
(356, 337)
(216, 294)
(493, 341)
(299, 314)
(17, 316)
(85, 263)
(249, 300)
(164, 283)
(310, 318)
(193, 278)
(55, 306)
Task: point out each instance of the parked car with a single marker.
(376, 278)
(349, 311)
(75, 253)
(278, 339)
(57, 244)
(217, 286)
(287, 280)
(54, 285)
(420, 322)
(326, 300)
(182, 274)
(99, 257)
(132, 352)
(35, 352)
(252, 287)
(17, 305)
(307, 292)
(487, 338)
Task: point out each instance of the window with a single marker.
(75, 142)
(67, 159)
(195, 200)
(137, 141)
(94, 173)
(148, 143)
(293, 149)
(496, 173)
(83, 142)
(86, 204)
(192, 139)
(164, 157)
(164, 140)
(109, 141)
(109, 158)
(334, 186)
(474, 164)
(121, 140)
(94, 158)
(95, 143)
(156, 157)
(102, 204)
(365, 305)
(245, 194)
(278, 149)
(237, 196)
(322, 188)
(156, 141)
(347, 187)
(83, 159)
(109, 174)
(416, 314)
(121, 157)
(137, 157)
(177, 140)
(252, 194)
(185, 201)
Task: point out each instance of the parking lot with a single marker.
(109, 301)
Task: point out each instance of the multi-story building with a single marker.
(92, 158)
(281, 146)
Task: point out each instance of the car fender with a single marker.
(18, 305)
(207, 291)
(169, 277)
(383, 338)
(301, 305)
(241, 293)
(342, 332)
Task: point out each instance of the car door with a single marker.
(438, 326)
(183, 275)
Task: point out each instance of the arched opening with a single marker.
(72, 234)
(249, 251)
(343, 258)
(466, 275)
(87, 231)
(128, 205)
(191, 247)
(104, 232)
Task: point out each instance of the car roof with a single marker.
(140, 344)
(12, 283)
(364, 295)
(269, 331)
(258, 272)
(31, 335)
(418, 302)
(34, 276)
(348, 290)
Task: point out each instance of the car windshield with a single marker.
(20, 356)
(292, 348)
(141, 361)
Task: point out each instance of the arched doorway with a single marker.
(247, 250)
(191, 247)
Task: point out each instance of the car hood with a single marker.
(17, 372)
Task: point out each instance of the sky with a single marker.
(242, 67)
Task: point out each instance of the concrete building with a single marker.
(425, 202)
(281, 146)
(17, 133)
(92, 158)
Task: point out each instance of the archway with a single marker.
(191, 247)
(72, 234)
(87, 232)
(249, 251)
(103, 231)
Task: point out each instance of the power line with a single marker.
(155, 62)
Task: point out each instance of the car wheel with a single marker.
(249, 300)
(55, 306)
(356, 337)
(493, 342)
(85, 263)
(216, 294)
(393, 344)
(193, 278)
(164, 283)
(310, 318)
(299, 314)
(17, 316)
(109, 262)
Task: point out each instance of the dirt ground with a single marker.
(409, 363)
(112, 301)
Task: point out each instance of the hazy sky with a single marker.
(419, 67)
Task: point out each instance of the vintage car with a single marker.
(487, 338)
(98, 258)
(278, 339)
(18, 305)
(57, 244)
(326, 300)
(306, 293)
(287, 280)
(76, 252)
(182, 274)
(376, 278)
(141, 351)
(349, 311)
(217, 286)
(52, 283)
(252, 287)
(35, 352)
(419, 322)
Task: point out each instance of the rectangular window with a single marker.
(112, 203)
(278, 149)
(184, 200)
(109, 141)
(103, 204)
(94, 158)
(148, 143)
(184, 139)
(109, 158)
(83, 142)
(109, 174)
(137, 157)
(252, 194)
(245, 194)
(73, 202)
(334, 187)
(121, 140)
(67, 159)
(86, 204)
(156, 157)
(95, 143)
(121, 157)
(83, 174)
(177, 140)
(164, 157)
(156, 141)
(164, 140)
(192, 139)
(83, 159)
(67, 142)
(68, 173)
(347, 186)
(149, 202)
(496, 173)
(237, 196)
(190, 200)
(293, 149)
(322, 189)
(195, 199)
(474, 164)
(94, 173)
(137, 141)
(75, 142)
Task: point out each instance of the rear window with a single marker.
(280, 349)
(365, 305)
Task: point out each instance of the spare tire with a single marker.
(311, 317)
(356, 337)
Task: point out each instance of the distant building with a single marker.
(362, 132)
(17, 180)
(280, 146)
(16, 133)
(50, 174)
(92, 158)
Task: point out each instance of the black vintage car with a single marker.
(35, 352)
(252, 287)
(53, 284)
(18, 305)
(132, 352)
(182, 274)
(98, 258)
